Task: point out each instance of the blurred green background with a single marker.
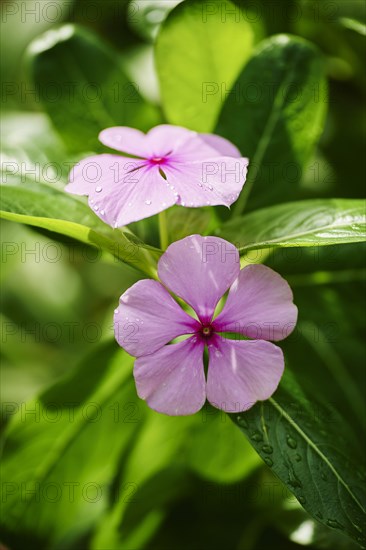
(162, 483)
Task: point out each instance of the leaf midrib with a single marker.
(264, 140)
(312, 445)
(301, 234)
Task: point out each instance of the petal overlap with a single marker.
(148, 318)
(121, 190)
(199, 270)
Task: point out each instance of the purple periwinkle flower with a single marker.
(172, 165)
(171, 376)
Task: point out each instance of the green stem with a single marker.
(163, 230)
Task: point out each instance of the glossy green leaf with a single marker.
(311, 449)
(303, 223)
(275, 116)
(194, 76)
(81, 84)
(328, 284)
(47, 208)
(54, 460)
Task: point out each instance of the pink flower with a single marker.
(170, 377)
(173, 166)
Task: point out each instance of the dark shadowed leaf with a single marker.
(81, 84)
(275, 115)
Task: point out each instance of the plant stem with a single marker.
(163, 230)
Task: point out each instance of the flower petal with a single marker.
(215, 181)
(259, 305)
(166, 139)
(148, 318)
(223, 147)
(158, 142)
(125, 139)
(241, 372)
(121, 190)
(199, 270)
(172, 380)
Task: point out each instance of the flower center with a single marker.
(157, 160)
(206, 331)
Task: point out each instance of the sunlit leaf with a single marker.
(200, 51)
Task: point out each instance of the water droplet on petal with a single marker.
(301, 499)
(148, 203)
(96, 208)
(210, 187)
(116, 311)
(102, 212)
(183, 204)
(267, 449)
(268, 461)
(297, 457)
(98, 189)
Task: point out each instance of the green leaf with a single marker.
(328, 283)
(195, 77)
(186, 221)
(203, 443)
(320, 222)
(80, 83)
(55, 463)
(145, 16)
(31, 151)
(44, 207)
(275, 116)
(311, 449)
(216, 452)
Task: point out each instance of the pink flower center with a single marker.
(158, 160)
